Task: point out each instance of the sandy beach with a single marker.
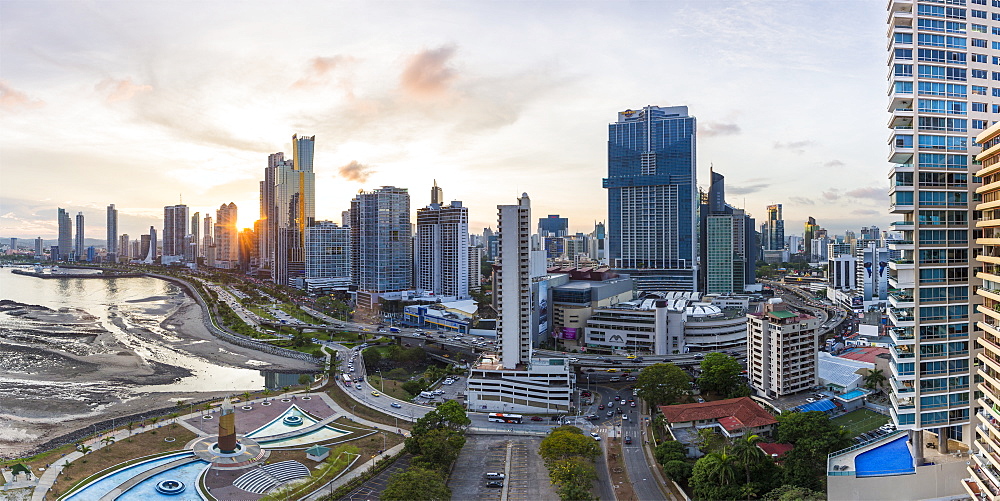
(65, 370)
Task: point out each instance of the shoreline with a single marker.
(129, 381)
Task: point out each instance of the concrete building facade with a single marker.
(781, 350)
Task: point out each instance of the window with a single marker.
(903, 70)
(979, 28)
(996, 92)
(980, 74)
(905, 87)
(979, 124)
(906, 53)
(975, 42)
(979, 107)
(903, 38)
(976, 58)
(996, 108)
(979, 14)
(978, 90)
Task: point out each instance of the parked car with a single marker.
(496, 484)
(495, 476)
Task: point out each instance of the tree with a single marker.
(715, 476)
(678, 470)
(669, 450)
(662, 384)
(107, 441)
(372, 357)
(793, 493)
(814, 437)
(305, 379)
(414, 386)
(563, 443)
(448, 415)
(84, 448)
(720, 373)
(875, 379)
(745, 451)
(574, 476)
(439, 448)
(416, 484)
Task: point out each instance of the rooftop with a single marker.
(866, 354)
(742, 412)
(775, 450)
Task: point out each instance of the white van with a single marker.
(426, 394)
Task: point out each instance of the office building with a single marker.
(939, 97)
(175, 220)
(728, 244)
(442, 249)
(124, 249)
(287, 208)
(246, 250)
(225, 236)
(328, 257)
(653, 197)
(781, 350)
(112, 232)
(987, 316)
(195, 241)
(773, 229)
(208, 240)
(79, 250)
(149, 245)
(437, 194)
(808, 235)
(39, 248)
(553, 226)
(381, 240)
(65, 236)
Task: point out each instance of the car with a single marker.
(611, 412)
(358, 386)
(595, 436)
(536, 418)
(585, 393)
(394, 405)
(628, 440)
(616, 362)
(630, 356)
(612, 370)
(495, 476)
(600, 407)
(617, 398)
(624, 416)
(631, 404)
(573, 360)
(375, 393)
(619, 410)
(615, 379)
(810, 400)
(496, 484)
(592, 417)
(591, 370)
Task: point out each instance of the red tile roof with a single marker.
(864, 353)
(775, 450)
(742, 410)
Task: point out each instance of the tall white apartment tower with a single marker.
(513, 287)
(442, 249)
(175, 220)
(112, 233)
(944, 87)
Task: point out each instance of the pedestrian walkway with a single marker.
(351, 475)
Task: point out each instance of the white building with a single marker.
(781, 350)
(441, 250)
(225, 237)
(328, 257)
(515, 381)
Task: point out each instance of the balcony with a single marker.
(900, 244)
(901, 317)
(903, 352)
(901, 225)
(901, 334)
(901, 264)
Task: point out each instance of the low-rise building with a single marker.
(733, 417)
(541, 386)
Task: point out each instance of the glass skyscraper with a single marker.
(653, 197)
(381, 240)
(942, 88)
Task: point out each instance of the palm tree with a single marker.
(722, 467)
(107, 441)
(130, 425)
(246, 396)
(874, 379)
(84, 448)
(745, 451)
(174, 416)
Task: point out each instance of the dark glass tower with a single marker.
(652, 197)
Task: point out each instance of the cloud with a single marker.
(12, 99)
(120, 90)
(866, 212)
(834, 163)
(318, 70)
(427, 74)
(798, 147)
(744, 190)
(802, 200)
(355, 171)
(712, 129)
(872, 193)
(831, 195)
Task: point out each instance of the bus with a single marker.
(497, 417)
(347, 380)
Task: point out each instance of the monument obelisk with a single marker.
(227, 428)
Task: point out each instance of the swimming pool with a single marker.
(853, 394)
(891, 458)
(96, 489)
(187, 473)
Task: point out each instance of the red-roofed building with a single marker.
(775, 451)
(733, 417)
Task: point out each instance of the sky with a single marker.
(147, 104)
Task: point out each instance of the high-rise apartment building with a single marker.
(124, 249)
(773, 231)
(513, 282)
(175, 220)
(195, 240)
(782, 347)
(287, 208)
(653, 197)
(442, 250)
(65, 236)
(208, 240)
(226, 237)
(940, 96)
(328, 256)
(112, 232)
(987, 462)
(79, 246)
(381, 240)
(39, 248)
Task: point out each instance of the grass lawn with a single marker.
(392, 388)
(298, 313)
(860, 421)
(336, 391)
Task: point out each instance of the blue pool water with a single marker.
(276, 427)
(98, 488)
(187, 473)
(892, 458)
(853, 394)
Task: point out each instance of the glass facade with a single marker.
(381, 240)
(652, 197)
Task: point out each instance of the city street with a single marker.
(646, 485)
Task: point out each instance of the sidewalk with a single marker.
(351, 475)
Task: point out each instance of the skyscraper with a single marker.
(653, 197)
(381, 240)
(774, 229)
(79, 247)
(513, 282)
(112, 231)
(39, 248)
(728, 244)
(288, 205)
(808, 235)
(149, 246)
(328, 256)
(123, 247)
(208, 240)
(226, 237)
(437, 194)
(939, 97)
(553, 226)
(195, 242)
(65, 236)
(175, 220)
(442, 250)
